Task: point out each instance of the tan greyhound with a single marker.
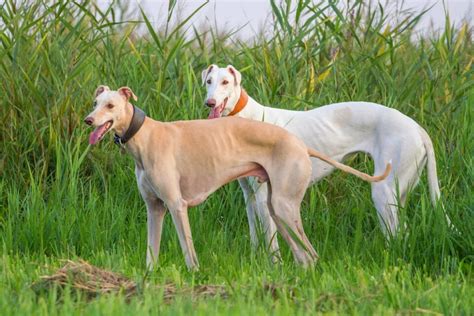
(179, 164)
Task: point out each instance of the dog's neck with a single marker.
(137, 145)
(252, 109)
(241, 102)
(121, 129)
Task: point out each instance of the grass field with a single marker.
(61, 199)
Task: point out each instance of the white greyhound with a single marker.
(337, 130)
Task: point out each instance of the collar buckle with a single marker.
(118, 140)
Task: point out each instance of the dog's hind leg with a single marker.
(391, 193)
(251, 207)
(288, 221)
(385, 202)
(255, 195)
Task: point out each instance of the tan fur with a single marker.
(180, 164)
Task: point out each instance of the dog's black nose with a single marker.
(211, 103)
(89, 120)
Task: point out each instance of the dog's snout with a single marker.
(211, 103)
(89, 120)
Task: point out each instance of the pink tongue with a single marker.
(97, 133)
(215, 113)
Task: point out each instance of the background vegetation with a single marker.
(60, 199)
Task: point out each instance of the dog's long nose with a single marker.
(89, 120)
(211, 103)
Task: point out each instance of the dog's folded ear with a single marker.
(206, 72)
(236, 74)
(127, 93)
(101, 89)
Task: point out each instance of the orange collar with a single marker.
(241, 103)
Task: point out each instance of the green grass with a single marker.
(61, 199)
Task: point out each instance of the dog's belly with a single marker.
(258, 172)
(196, 188)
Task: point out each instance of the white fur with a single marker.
(338, 130)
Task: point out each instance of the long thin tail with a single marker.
(433, 175)
(431, 167)
(343, 167)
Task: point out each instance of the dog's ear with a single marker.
(101, 89)
(236, 74)
(127, 93)
(206, 72)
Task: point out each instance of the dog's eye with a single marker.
(110, 105)
(225, 82)
(94, 104)
(209, 81)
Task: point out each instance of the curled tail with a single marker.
(343, 167)
(430, 167)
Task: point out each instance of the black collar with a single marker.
(137, 121)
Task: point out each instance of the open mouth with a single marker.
(217, 110)
(99, 132)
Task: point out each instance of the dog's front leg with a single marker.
(179, 212)
(156, 211)
(162, 184)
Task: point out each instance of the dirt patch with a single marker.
(89, 282)
(170, 291)
(86, 279)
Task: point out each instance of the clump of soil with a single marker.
(90, 281)
(170, 291)
(87, 279)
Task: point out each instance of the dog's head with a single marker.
(112, 111)
(223, 89)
